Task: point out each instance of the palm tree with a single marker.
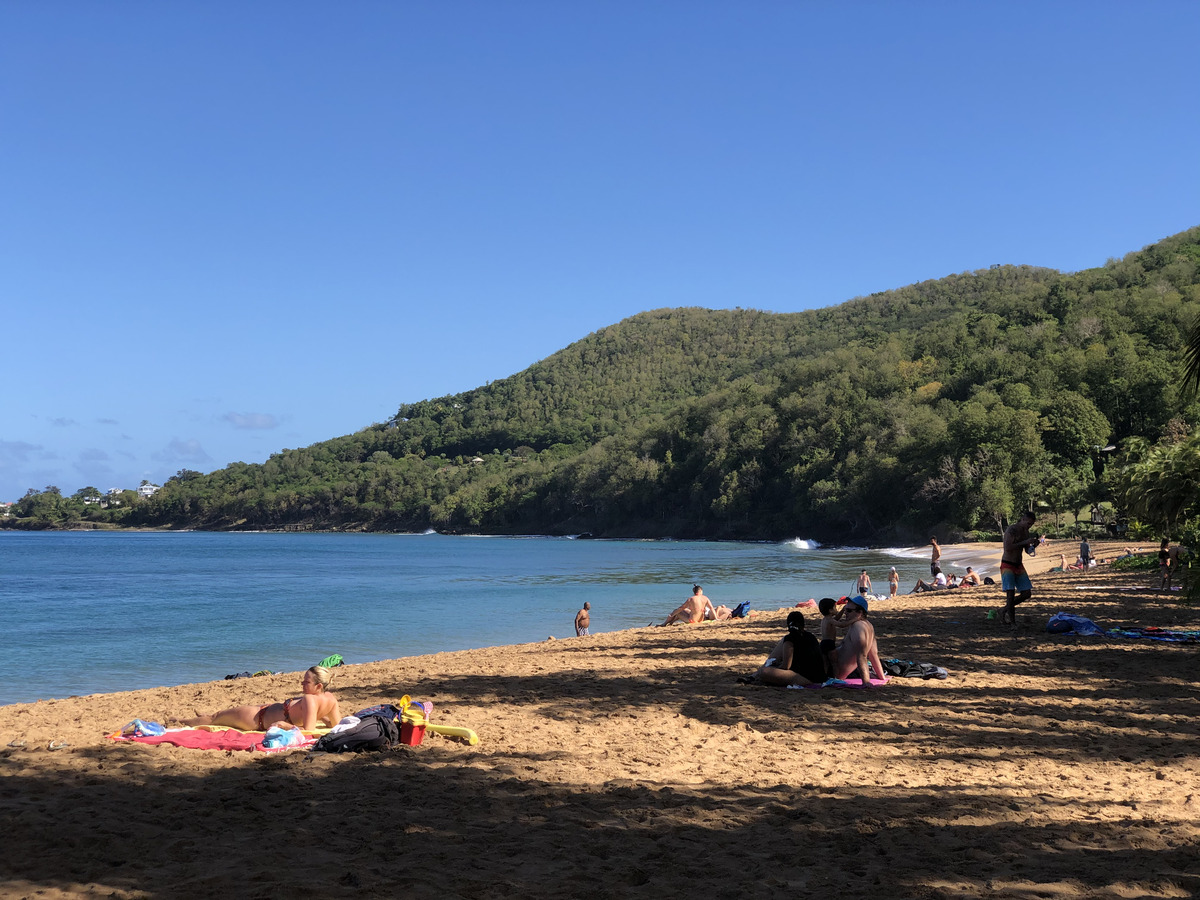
(1191, 356)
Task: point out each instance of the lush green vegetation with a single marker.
(944, 405)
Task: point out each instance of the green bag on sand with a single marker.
(331, 662)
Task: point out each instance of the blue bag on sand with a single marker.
(277, 736)
(1065, 623)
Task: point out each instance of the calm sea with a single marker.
(90, 612)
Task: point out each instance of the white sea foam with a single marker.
(802, 544)
(906, 552)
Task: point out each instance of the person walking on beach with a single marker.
(695, 608)
(935, 565)
(1164, 564)
(1013, 577)
(582, 620)
(864, 583)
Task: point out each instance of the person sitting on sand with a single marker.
(939, 582)
(695, 608)
(971, 579)
(796, 659)
(828, 632)
(858, 648)
(583, 619)
(315, 705)
(893, 582)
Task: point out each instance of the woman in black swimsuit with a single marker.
(315, 705)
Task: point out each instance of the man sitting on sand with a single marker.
(695, 609)
(796, 659)
(971, 579)
(858, 647)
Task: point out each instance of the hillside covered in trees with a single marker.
(946, 404)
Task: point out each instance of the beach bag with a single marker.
(739, 611)
(374, 732)
(904, 668)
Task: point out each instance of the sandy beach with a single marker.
(633, 764)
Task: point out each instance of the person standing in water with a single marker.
(864, 583)
(582, 620)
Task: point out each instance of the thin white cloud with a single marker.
(251, 420)
(107, 422)
(92, 454)
(63, 423)
(17, 451)
(178, 451)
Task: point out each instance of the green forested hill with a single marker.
(948, 403)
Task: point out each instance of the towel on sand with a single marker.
(202, 739)
(840, 682)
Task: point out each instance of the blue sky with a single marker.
(227, 229)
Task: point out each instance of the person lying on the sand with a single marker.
(695, 608)
(796, 659)
(719, 613)
(858, 647)
(315, 705)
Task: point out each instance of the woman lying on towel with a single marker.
(313, 706)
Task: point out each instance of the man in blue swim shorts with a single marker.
(1013, 577)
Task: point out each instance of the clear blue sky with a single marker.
(227, 229)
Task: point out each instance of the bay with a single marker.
(92, 612)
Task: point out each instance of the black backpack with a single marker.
(374, 732)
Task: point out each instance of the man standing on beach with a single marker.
(1085, 554)
(934, 561)
(582, 620)
(1013, 577)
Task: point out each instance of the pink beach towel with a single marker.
(229, 739)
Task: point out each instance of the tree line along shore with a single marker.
(942, 407)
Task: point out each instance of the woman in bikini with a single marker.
(315, 705)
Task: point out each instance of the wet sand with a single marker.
(633, 764)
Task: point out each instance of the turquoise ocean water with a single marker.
(91, 612)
